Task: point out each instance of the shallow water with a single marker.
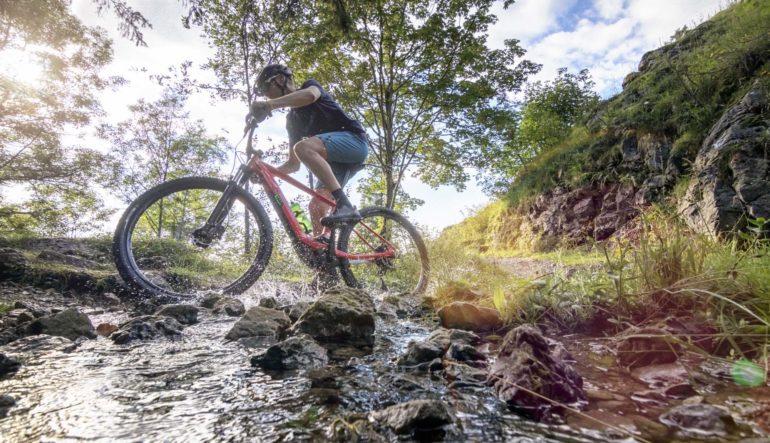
(201, 388)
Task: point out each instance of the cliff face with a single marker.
(694, 116)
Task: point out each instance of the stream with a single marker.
(201, 388)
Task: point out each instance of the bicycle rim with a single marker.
(405, 272)
(159, 246)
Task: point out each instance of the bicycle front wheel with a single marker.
(154, 248)
(406, 270)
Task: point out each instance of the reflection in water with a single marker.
(202, 389)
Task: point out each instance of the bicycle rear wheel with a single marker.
(155, 253)
(406, 271)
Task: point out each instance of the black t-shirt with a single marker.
(323, 115)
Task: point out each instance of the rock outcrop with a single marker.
(731, 174)
(415, 415)
(147, 328)
(69, 323)
(260, 323)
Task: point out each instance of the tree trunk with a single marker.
(160, 219)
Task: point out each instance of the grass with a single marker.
(667, 270)
(5, 308)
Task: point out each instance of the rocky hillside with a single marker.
(691, 127)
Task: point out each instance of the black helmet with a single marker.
(268, 73)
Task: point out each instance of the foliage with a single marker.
(159, 143)
(48, 91)
(550, 112)
(387, 62)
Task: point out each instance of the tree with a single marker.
(418, 74)
(159, 143)
(549, 112)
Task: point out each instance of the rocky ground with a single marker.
(346, 366)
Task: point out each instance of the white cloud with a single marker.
(526, 20)
(608, 9)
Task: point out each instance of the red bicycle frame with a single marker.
(267, 174)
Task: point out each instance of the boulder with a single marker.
(261, 323)
(341, 316)
(69, 323)
(13, 264)
(146, 328)
(436, 345)
(299, 352)
(220, 304)
(526, 372)
(415, 415)
(468, 316)
(731, 173)
(8, 365)
(183, 313)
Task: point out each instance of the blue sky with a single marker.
(606, 36)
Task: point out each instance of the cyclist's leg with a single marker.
(317, 208)
(341, 149)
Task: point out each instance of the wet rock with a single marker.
(69, 259)
(460, 375)
(661, 376)
(638, 347)
(8, 365)
(467, 353)
(145, 307)
(680, 391)
(416, 415)
(524, 365)
(220, 304)
(300, 352)
(6, 403)
(183, 313)
(105, 329)
(700, 420)
(468, 316)
(110, 299)
(13, 264)
(436, 345)
(323, 377)
(268, 302)
(295, 310)
(341, 316)
(146, 328)
(260, 322)
(69, 323)
(17, 317)
(325, 396)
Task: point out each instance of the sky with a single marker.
(608, 37)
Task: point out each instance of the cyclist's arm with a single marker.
(296, 99)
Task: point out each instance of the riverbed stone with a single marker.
(299, 352)
(38, 343)
(525, 366)
(6, 403)
(340, 317)
(69, 323)
(295, 310)
(415, 415)
(105, 329)
(146, 328)
(468, 316)
(700, 420)
(261, 323)
(8, 365)
(183, 313)
(436, 345)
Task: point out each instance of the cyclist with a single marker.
(321, 136)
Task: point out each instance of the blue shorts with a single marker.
(346, 153)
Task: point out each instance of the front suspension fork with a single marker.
(212, 230)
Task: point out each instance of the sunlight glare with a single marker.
(22, 66)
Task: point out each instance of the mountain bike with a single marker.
(195, 235)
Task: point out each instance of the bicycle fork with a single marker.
(212, 230)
